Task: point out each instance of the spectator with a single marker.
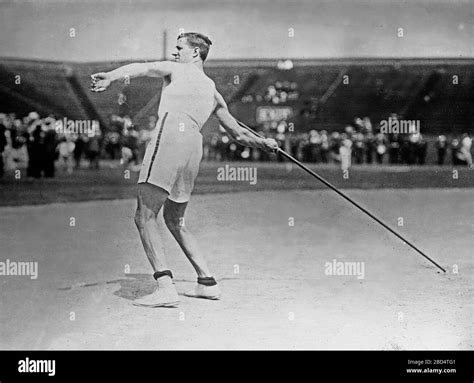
(359, 125)
(66, 148)
(212, 152)
(129, 147)
(144, 137)
(394, 148)
(412, 146)
(381, 147)
(454, 148)
(3, 143)
(324, 146)
(404, 149)
(345, 150)
(79, 149)
(421, 148)
(463, 151)
(93, 151)
(366, 125)
(441, 148)
(50, 153)
(359, 148)
(369, 144)
(334, 147)
(295, 146)
(314, 145)
(19, 138)
(305, 148)
(36, 152)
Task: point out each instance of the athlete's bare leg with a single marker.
(173, 214)
(150, 200)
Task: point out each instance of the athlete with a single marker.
(172, 158)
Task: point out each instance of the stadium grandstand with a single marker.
(416, 89)
(311, 95)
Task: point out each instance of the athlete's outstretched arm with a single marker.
(238, 133)
(102, 80)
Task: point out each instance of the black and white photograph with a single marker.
(237, 175)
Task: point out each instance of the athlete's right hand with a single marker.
(270, 145)
(100, 82)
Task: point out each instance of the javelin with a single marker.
(329, 185)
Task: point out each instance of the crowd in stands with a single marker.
(36, 144)
(358, 143)
(28, 142)
(127, 142)
(279, 92)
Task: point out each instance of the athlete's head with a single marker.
(191, 46)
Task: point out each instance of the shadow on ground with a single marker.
(138, 285)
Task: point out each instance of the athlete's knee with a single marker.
(173, 223)
(142, 216)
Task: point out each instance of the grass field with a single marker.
(276, 294)
(112, 181)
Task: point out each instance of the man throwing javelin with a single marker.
(171, 161)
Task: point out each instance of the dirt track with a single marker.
(280, 298)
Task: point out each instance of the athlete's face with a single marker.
(183, 52)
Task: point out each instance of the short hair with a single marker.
(197, 40)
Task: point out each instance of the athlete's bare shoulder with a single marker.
(211, 81)
(208, 79)
(161, 68)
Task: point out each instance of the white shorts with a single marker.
(172, 156)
